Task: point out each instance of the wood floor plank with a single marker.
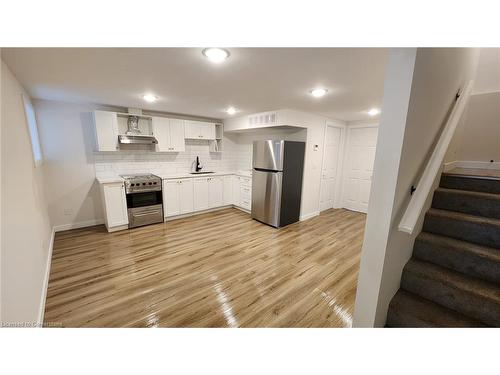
(220, 269)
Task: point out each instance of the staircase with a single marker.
(453, 277)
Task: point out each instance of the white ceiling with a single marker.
(252, 79)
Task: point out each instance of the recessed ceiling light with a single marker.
(150, 98)
(318, 93)
(216, 55)
(374, 112)
(231, 111)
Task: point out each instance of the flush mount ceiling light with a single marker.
(374, 112)
(318, 93)
(150, 98)
(215, 55)
(231, 111)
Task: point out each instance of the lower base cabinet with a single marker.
(187, 195)
(115, 205)
(177, 197)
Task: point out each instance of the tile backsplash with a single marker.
(140, 159)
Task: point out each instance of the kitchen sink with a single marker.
(200, 172)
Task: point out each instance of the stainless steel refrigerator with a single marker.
(277, 181)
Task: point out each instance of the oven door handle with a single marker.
(155, 212)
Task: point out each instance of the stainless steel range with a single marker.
(144, 199)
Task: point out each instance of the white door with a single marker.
(116, 205)
(215, 192)
(106, 130)
(360, 156)
(186, 196)
(228, 190)
(177, 142)
(330, 167)
(161, 131)
(200, 194)
(171, 204)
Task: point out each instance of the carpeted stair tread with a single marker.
(476, 229)
(409, 310)
(468, 202)
(475, 260)
(487, 184)
(467, 295)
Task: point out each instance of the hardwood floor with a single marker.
(220, 269)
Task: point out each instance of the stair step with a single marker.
(470, 228)
(466, 295)
(483, 184)
(408, 310)
(469, 202)
(474, 260)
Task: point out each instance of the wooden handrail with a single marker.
(433, 167)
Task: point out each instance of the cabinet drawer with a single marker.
(246, 181)
(246, 203)
(245, 192)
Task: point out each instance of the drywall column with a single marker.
(389, 144)
(419, 94)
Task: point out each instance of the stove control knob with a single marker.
(144, 184)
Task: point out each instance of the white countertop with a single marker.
(114, 178)
(169, 176)
(109, 178)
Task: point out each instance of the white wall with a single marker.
(313, 133)
(419, 91)
(488, 71)
(25, 225)
(480, 134)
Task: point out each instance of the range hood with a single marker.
(134, 135)
(128, 139)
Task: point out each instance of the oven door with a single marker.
(144, 199)
(145, 215)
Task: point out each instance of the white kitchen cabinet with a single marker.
(171, 203)
(106, 130)
(177, 197)
(186, 198)
(169, 133)
(199, 130)
(242, 192)
(236, 190)
(115, 205)
(200, 189)
(215, 192)
(177, 129)
(227, 190)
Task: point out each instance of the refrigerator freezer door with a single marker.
(266, 196)
(268, 155)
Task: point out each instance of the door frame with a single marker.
(345, 156)
(337, 202)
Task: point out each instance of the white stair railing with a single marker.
(433, 167)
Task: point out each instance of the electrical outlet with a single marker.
(68, 211)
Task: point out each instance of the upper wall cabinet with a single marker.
(170, 134)
(106, 130)
(199, 130)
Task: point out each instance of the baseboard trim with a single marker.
(309, 216)
(476, 164)
(80, 224)
(43, 297)
(449, 166)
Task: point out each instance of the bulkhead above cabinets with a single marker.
(116, 131)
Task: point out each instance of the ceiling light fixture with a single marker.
(318, 93)
(150, 98)
(215, 55)
(231, 111)
(374, 112)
